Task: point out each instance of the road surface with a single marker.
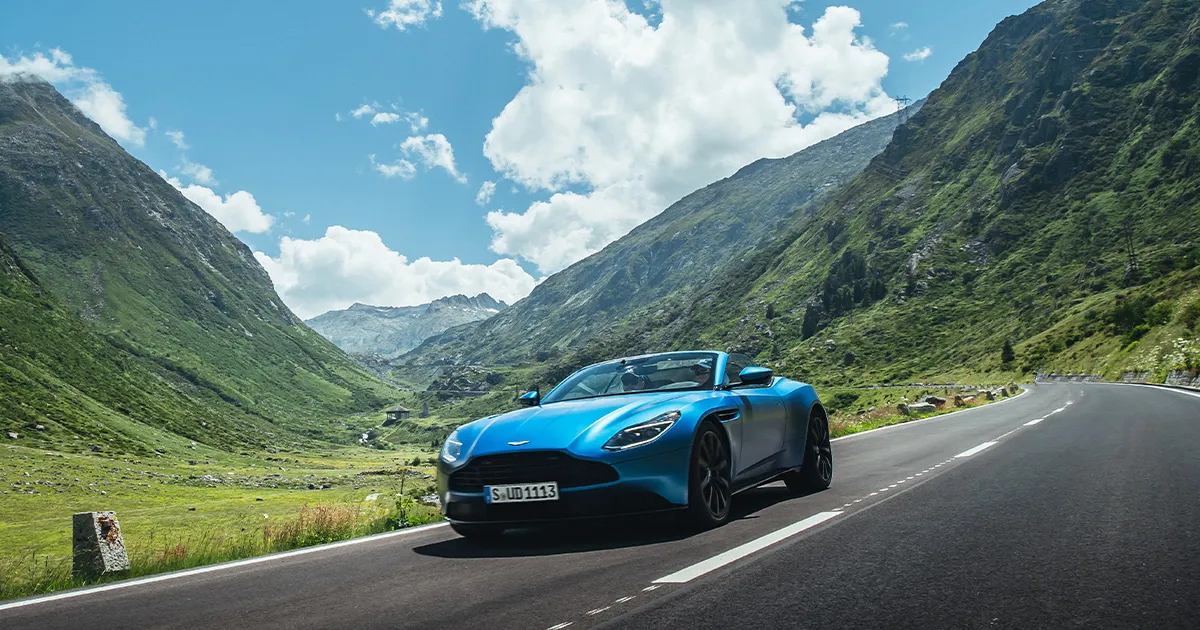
(1073, 505)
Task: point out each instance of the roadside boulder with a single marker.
(970, 400)
(935, 401)
(918, 408)
(12, 435)
(989, 395)
(97, 544)
(903, 408)
(958, 401)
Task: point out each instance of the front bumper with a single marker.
(648, 484)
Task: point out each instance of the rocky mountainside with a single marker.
(183, 327)
(391, 331)
(1047, 195)
(683, 249)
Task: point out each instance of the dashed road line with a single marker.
(597, 611)
(561, 625)
(624, 599)
(975, 450)
(737, 553)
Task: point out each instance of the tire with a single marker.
(710, 487)
(478, 531)
(816, 473)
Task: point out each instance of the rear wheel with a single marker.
(478, 531)
(709, 485)
(816, 473)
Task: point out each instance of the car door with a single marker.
(764, 419)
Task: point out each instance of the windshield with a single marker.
(663, 372)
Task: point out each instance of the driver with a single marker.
(631, 382)
(702, 371)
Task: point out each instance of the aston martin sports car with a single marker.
(683, 431)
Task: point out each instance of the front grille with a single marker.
(531, 467)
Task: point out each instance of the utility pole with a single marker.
(902, 108)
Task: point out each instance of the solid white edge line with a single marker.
(1169, 389)
(971, 451)
(737, 553)
(162, 577)
(938, 417)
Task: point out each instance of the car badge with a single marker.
(521, 443)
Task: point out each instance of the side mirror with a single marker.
(756, 375)
(530, 399)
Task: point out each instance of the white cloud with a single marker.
(898, 26)
(346, 266)
(307, 218)
(363, 110)
(485, 193)
(433, 150)
(619, 119)
(385, 118)
(199, 173)
(417, 122)
(238, 212)
(405, 13)
(153, 123)
(176, 138)
(95, 98)
(920, 54)
(400, 168)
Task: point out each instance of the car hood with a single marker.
(557, 426)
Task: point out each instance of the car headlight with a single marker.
(452, 449)
(643, 433)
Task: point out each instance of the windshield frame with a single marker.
(556, 393)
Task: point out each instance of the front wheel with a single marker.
(709, 482)
(477, 531)
(816, 473)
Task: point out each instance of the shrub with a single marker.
(1190, 315)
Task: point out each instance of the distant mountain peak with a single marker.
(389, 331)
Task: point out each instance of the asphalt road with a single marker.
(1074, 505)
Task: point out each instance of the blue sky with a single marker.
(263, 94)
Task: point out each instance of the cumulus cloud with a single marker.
(619, 118)
(176, 138)
(400, 168)
(433, 150)
(403, 14)
(898, 26)
(199, 173)
(365, 109)
(238, 212)
(95, 98)
(346, 266)
(385, 118)
(920, 54)
(485, 193)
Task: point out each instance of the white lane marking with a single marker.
(737, 553)
(651, 587)
(624, 599)
(872, 494)
(971, 451)
(945, 415)
(858, 500)
(214, 567)
(910, 477)
(597, 611)
(1169, 389)
(561, 625)
(903, 481)
(1033, 422)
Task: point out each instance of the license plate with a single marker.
(521, 493)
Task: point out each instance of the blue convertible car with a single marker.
(674, 431)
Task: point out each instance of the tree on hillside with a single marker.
(1007, 355)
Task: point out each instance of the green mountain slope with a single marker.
(1007, 209)
(682, 249)
(149, 275)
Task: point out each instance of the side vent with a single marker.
(725, 415)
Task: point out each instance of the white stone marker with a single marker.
(98, 546)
